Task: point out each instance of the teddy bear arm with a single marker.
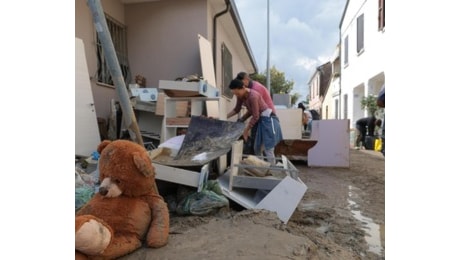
(158, 233)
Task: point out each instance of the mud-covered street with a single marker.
(341, 216)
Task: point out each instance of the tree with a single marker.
(294, 98)
(370, 103)
(278, 83)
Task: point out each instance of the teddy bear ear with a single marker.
(102, 145)
(143, 166)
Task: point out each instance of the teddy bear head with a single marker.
(124, 169)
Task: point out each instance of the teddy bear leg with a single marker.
(92, 235)
(80, 256)
(122, 245)
(159, 227)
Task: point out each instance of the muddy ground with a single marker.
(341, 216)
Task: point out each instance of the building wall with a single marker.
(315, 101)
(162, 42)
(364, 73)
(163, 38)
(84, 29)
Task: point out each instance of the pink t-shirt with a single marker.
(255, 105)
(263, 91)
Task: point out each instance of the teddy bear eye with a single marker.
(117, 181)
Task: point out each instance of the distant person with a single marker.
(306, 117)
(314, 114)
(267, 132)
(363, 126)
(381, 103)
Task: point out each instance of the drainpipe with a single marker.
(340, 75)
(214, 33)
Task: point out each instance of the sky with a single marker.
(303, 35)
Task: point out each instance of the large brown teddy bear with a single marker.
(127, 210)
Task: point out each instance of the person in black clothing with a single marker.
(363, 125)
(381, 103)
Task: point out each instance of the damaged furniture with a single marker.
(206, 140)
(280, 190)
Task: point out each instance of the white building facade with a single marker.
(362, 43)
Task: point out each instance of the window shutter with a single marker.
(360, 33)
(346, 50)
(381, 14)
(227, 70)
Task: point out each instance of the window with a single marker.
(345, 106)
(381, 15)
(336, 108)
(345, 47)
(360, 34)
(227, 71)
(118, 34)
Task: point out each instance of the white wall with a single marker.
(364, 73)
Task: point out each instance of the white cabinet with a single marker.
(174, 117)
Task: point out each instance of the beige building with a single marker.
(158, 40)
(318, 84)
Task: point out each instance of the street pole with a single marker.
(268, 47)
(114, 67)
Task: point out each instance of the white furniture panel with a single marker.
(332, 149)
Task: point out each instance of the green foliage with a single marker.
(278, 83)
(294, 98)
(370, 103)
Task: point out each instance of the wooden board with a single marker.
(180, 121)
(332, 149)
(207, 63)
(291, 122)
(160, 106)
(86, 127)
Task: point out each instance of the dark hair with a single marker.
(236, 84)
(300, 105)
(241, 75)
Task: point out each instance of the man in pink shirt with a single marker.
(257, 86)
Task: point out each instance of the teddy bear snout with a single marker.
(103, 191)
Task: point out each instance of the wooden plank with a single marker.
(237, 152)
(160, 107)
(181, 121)
(207, 63)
